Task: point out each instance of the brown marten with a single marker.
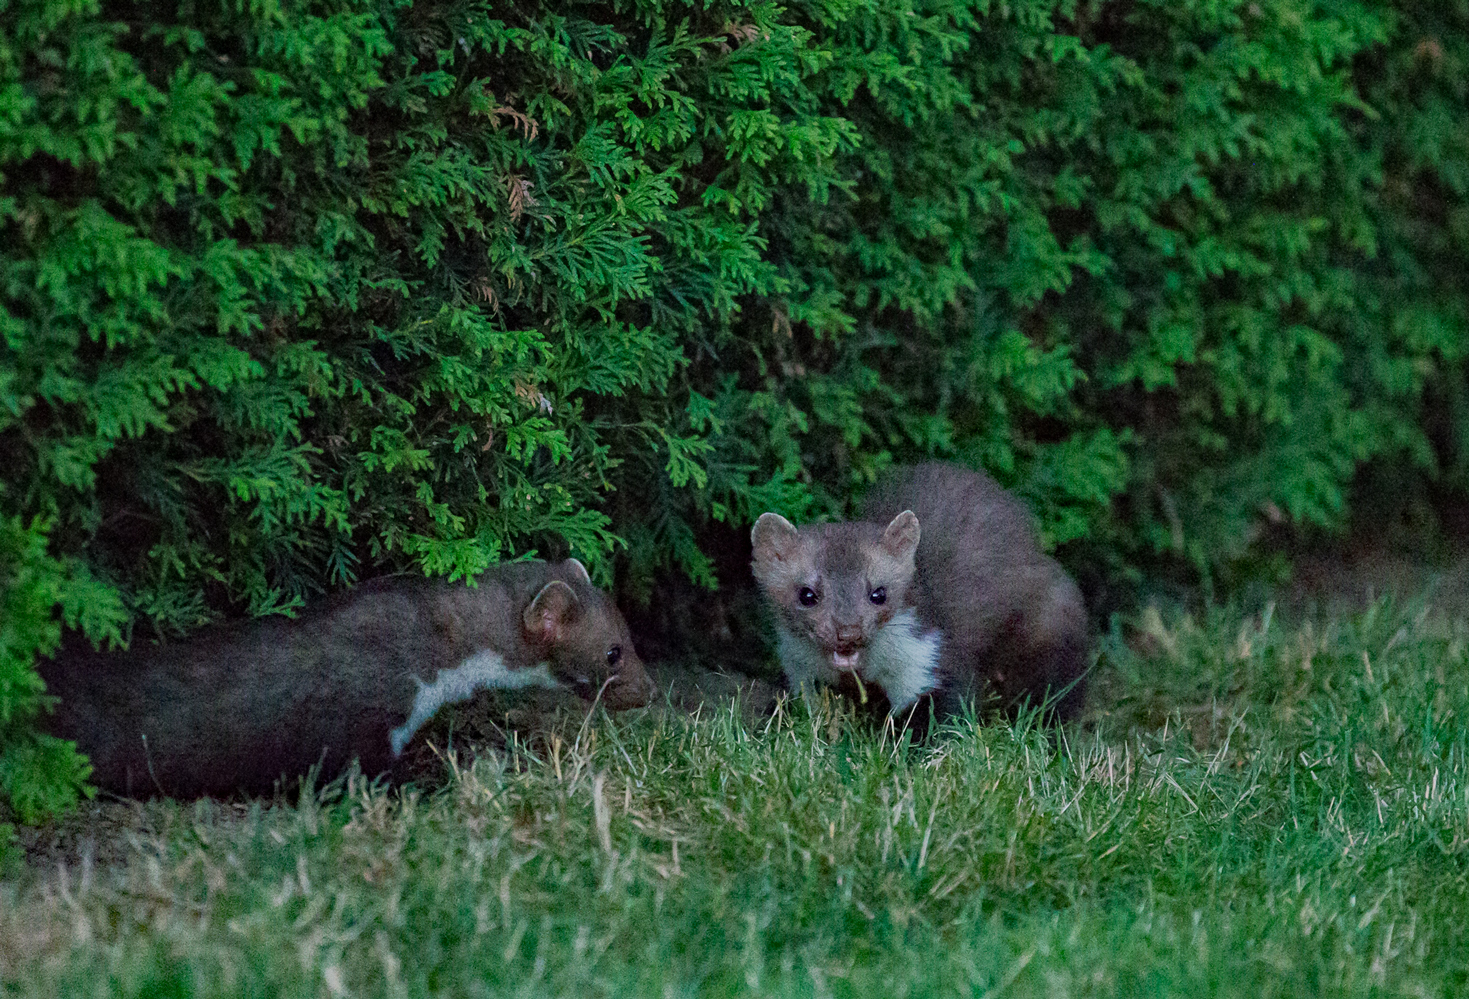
(940, 590)
(236, 708)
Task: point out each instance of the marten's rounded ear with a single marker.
(900, 540)
(774, 537)
(550, 613)
(577, 570)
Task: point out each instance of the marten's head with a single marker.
(585, 641)
(836, 585)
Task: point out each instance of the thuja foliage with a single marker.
(301, 291)
(1413, 291)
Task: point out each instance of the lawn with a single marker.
(1253, 807)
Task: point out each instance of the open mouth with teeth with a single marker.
(845, 660)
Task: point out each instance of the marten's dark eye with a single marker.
(879, 596)
(614, 655)
(807, 596)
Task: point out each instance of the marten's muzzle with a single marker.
(848, 648)
(629, 687)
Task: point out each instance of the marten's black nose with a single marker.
(849, 636)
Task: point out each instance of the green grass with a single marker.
(1252, 810)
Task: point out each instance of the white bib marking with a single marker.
(480, 671)
(902, 659)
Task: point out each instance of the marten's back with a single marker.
(977, 554)
(1009, 613)
(236, 707)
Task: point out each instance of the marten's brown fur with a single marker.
(940, 590)
(237, 708)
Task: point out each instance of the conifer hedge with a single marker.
(301, 291)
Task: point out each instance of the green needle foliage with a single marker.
(296, 292)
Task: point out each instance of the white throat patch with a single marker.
(902, 659)
(481, 671)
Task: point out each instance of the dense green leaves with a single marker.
(299, 292)
(39, 774)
